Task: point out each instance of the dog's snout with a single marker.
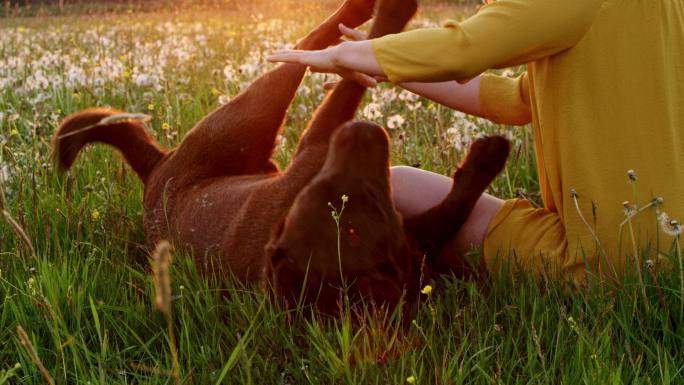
(362, 133)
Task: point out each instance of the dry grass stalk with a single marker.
(149, 369)
(33, 354)
(161, 263)
(637, 263)
(16, 227)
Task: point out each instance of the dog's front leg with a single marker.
(341, 104)
(238, 138)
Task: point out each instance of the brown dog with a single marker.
(221, 196)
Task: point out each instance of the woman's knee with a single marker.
(415, 190)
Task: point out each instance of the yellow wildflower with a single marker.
(165, 126)
(411, 379)
(427, 290)
(95, 215)
(32, 285)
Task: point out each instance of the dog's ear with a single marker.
(280, 276)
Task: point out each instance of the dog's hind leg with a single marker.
(436, 227)
(341, 104)
(239, 137)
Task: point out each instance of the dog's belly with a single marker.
(225, 223)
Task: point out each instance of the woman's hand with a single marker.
(352, 34)
(322, 61)
(352, 60)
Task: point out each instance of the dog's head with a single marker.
(343, 234)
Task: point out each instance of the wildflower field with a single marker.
(76, 286)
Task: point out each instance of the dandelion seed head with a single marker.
(669, 226)
(372, 111)
(631, 174)
(395, 121)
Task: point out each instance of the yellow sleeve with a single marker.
(501, 34)
(505, 100)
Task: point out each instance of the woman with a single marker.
(604, 91)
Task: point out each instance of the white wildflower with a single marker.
(141, 80)
(372, 111)
(407, 96)
(229, 73)
(395, 121)
(4, 173)
(669, 226)
(304, 90)
(76, 76)
(249, 69)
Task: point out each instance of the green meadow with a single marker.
(76, 284)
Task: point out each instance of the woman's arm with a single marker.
(501, 99)
(349, 56)
(360, 57)
(503, 33)
(461, 97)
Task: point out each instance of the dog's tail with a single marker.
(116, 128)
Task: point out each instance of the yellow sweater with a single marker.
(604, 90)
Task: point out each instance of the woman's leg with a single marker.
(415, 191)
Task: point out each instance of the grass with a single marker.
(85, 296)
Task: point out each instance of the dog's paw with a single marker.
(488, 154)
